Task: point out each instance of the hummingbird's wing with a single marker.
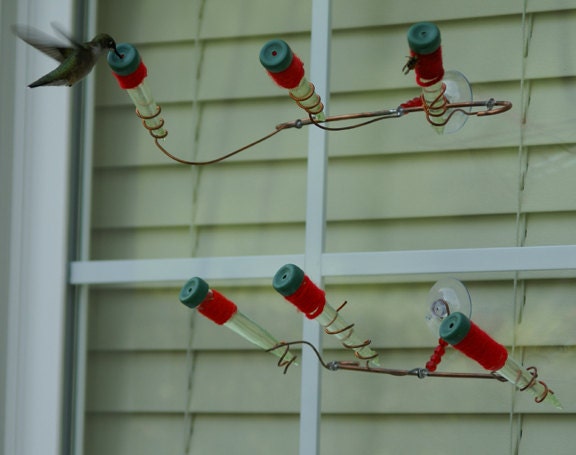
(43, 42)
(59, 29)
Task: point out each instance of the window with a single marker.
(491, 205)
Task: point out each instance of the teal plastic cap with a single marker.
(424, 38)
(288, 279)
(129, 62)
(194, 292)
(276, 55)
(454, 328)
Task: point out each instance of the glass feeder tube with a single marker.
(472, 341)
(196, 294)
(130, 72)
(287, 70)
(296, 287)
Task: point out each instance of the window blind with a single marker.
(162, 380)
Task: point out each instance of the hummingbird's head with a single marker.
(104, 41)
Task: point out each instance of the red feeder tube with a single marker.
(196, 294)
(297, 288)
(472, 341)
(130, 72)
(287, 70)
(424, 41)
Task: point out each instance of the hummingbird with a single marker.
(76, 60)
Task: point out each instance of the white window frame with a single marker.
(35, 268)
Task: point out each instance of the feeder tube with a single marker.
(296, 287)
(196, 294)
(472, 341)
(130, 72)
(424, 41)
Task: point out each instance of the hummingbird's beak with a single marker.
(118, 53)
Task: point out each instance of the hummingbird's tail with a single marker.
(49, 80)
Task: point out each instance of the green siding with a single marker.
(394, 185)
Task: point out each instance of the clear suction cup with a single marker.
(458, 90)
(447, 296)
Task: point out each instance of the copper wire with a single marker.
(534, 372)
(542, 397)
(350, 328)
(418, 372)
(375, 116)
(367, 368)
(345, 128)
(152, 129)
(216, 160)
(282, 362)
(434, 110)
(453, 108)
(157, 137)
(313, 109)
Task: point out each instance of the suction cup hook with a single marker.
(458, 90)
(447, 296)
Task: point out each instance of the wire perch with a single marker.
(418, 372)
(157, 137)
(130, 72)
(356, 366)
(490, 107)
